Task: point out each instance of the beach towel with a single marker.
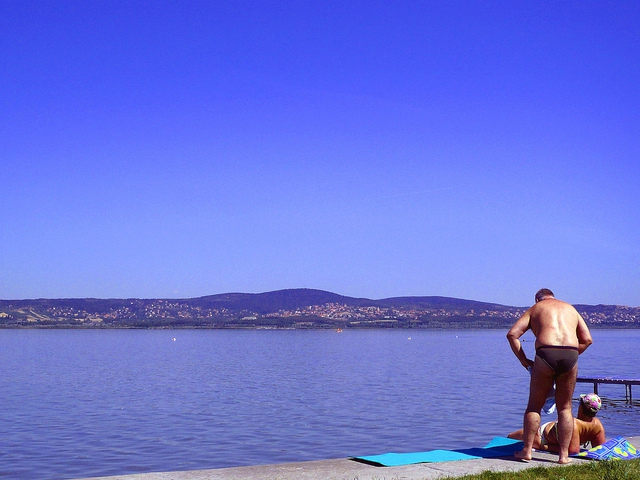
(497, 447)
(618, 448)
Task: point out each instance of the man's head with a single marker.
(543, 293)
(590, 403)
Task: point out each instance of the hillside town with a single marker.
(167, 313)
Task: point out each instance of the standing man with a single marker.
(561, 335)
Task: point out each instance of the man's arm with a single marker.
(584, 335)
(519, 328)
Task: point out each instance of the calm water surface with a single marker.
(77, 403)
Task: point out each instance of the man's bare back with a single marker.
(555, 323)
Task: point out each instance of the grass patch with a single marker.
(603, 470)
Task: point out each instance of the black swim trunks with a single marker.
(561, 359)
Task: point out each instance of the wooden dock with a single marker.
(627, 382)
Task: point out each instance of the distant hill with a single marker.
(440, 302)
(292, 308)
(278, 300)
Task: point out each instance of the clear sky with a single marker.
(471, 149)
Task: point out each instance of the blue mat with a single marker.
(497, 447)
(618, 448)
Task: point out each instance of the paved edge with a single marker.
(347, 469)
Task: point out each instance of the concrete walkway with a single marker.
(346, 469)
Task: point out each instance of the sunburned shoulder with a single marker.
(553, 303)
(553, 308)
(593, 427)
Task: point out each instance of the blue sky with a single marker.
(478, 150)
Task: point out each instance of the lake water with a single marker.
(80, 403)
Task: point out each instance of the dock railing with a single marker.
(627, 382)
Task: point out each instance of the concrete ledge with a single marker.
(346, 469)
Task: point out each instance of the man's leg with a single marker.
(541, 383)
(565, 385)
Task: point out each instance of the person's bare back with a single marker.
(586, 428)
(590, 431)
(583, 432)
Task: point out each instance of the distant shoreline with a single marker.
(297, 309)
(182, 327)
